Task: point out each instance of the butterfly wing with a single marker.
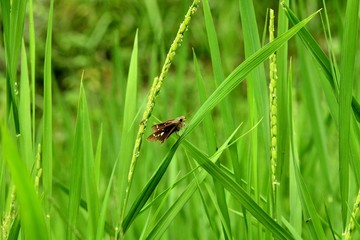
(158, 126)
(162, 125)
(162, 131)
(162, 134)
(167, 135)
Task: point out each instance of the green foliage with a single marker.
(76, 80)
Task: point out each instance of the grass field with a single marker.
(271, 145)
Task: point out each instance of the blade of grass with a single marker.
(148, 189)
(170, 214)
(224, 109)
(163, 193)
(283, 147)
(258, 103)
(207, 209)
(331, 96)
(47, 148)
(215, 206)
(83, 204)
(32, 46)
(3, 188)
(217, 65)
(314, 48)
(98, 156)
(128, 130)
(154, 214)
(291, 228)
(312, 101)
(294, 198)
(238, 75)
(15, 229)
(322, 60)
(308, 206)
(355, 150)
(225, 105)
(209, 130)
(76, 171)
(349, 45)
(208, 121)
(89, 168)
(102, 216)
(210, 139)
(31, 213)
(258, 107)
(329, 223)
(24, 113)
(239, 193)
(13, 15)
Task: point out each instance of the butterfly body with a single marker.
(162, 131)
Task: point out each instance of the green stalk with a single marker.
(154, 92)
(273, 114)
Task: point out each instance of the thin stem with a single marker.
(154, 92)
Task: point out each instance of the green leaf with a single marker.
(348, 50)
(309, 209)
(47, 141)
(31, 213)
(24, 114)
(238, 75)
(128, 130)
(225, 110)
(170, 214)
(283, 147)
(149, 188)
(89, 167)
(258, 107)
(239, 193)
(102, 216)
(294, 198)
(323, 61)
(76, 169)
(13, 15)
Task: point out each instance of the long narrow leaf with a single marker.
(24, 113)
(31, 213)
(13, 15)
(102, 217)
(76, 171)
(349, 44)
(238, 75)
(239, 193)
(321, 59)
(258, 107)
(225, 105)
(283, 147)
(149, 188)
(303, 193)
(170, 214)
(89, 168)
(47, 148)
(294, 198)
(128, 130)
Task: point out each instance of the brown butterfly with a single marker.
(162, 131)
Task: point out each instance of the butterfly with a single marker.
(162, 131)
